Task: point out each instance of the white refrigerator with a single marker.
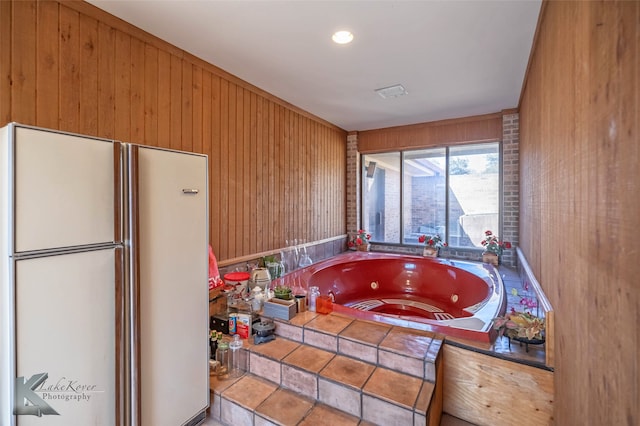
(104, 297)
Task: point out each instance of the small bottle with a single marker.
(233, 318)
(314, 292)
(213, 344)
(236, 364)
(222, 357)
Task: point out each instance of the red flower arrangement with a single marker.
(359, 239)
(492, 243)
(432, 241)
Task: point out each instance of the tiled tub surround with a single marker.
(333, 369)
(455, 298)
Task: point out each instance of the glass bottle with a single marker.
(222, 357)
(213, 344)
(236, 358)
(314, 292)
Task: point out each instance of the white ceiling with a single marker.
(455, 58)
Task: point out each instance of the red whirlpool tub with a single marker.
(455, 298)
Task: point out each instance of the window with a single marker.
(451, 191)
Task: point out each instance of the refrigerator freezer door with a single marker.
(173, 291)
(66, 327)
(63, 182)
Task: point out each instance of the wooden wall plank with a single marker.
(240, 170)
(5, 60)
(47, 65)
(437, 133)
(106, 81)
(69, 70)
(246, 173)
(232, 171)
(197, 109)
(275, 141)
(137, 91)
(88, 69)
(175, 121)
(187, 107)
(207, 136)
(150, 99)
(489, 391)
(164, 99)
(123, 87)
(23, 63)
(215, 166)
(225, 144)
(254, 150)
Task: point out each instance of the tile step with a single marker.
(344, 375)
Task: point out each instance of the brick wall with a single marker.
(510, 184)
(353, 184)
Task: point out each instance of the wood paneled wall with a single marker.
(487, 390)
(276, 172)
(479, 128)
(579, 156)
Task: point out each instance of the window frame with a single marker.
(402, 152)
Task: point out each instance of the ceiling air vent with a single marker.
(392, 91)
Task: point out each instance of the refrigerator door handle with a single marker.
(190, 191)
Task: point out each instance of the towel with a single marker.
(214, 273)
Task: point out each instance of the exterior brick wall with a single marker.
(353, 184)
(510, 185)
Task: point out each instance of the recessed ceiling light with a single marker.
(342, 37)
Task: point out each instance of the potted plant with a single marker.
(493, 248)
(432, 244)
(282, 292)
(524, 326)
(360, 241)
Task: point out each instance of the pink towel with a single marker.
(214, 273)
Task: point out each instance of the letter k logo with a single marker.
(25, 392)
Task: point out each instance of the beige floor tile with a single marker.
(340, 396)
(302, 318)
(358, 350)
(309, 358)
(321, 415)
(276, 349)
(407, 342)
(288, 331)
(218, 385)
(348, 371)
(380, 412)
(249, 391)
(403, 363)
(266, 368)
(424, 398)
(328, 342)
(435, 348)
(234, 414)
(329, 324)
(301, 381)
(397, 388)
(366, 332)
(285, 407)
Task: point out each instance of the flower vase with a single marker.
(363, 247)
(491, 258)
(430, 252)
